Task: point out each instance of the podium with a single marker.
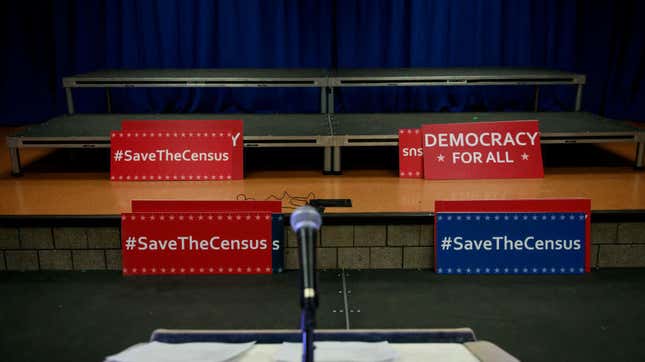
(459, 344)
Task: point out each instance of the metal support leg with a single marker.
(330, 100)
(70, 100)
(14, 154)
(579, 97)
(640, 153)
(337, 165)
(323, 100)
(244, 158)
(537, 98)
(108, 100)
(327, 160)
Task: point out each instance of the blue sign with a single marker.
(510, 243)
(277, 234)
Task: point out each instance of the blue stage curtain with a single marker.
(602, 39)
(43, 41)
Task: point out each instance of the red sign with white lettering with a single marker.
(482, 150)
(171, 155)
(196, 243)
(410, 153)
(235, 127)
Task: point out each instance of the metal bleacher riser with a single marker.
(428, 77)
(198, 78)
(328, 130)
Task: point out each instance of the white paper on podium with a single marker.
(184, 352)
(339, 351)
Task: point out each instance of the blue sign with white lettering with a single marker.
(510, 243)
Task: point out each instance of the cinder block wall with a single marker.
(614, 245)
(618, 244)
(60, 248)
(339, 246)
(368, 247)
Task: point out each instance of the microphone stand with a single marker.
(309, 296)
(308, 324)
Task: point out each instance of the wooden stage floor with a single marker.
(48, 192)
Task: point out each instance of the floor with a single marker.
(75, 316)
(72, 182)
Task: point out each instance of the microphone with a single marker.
(305, 222)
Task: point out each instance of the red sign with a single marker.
(235, 127)
(526, 205)
(204, 206)
(171, 155)
(410, 153)
(482, 150)
(196, 243)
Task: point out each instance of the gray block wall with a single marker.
(369, 247)
(618, 245)
(60, 248)
(339, 246)
(614, 245)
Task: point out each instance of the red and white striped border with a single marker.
(169, 134)
(191, 216)
(209, 269)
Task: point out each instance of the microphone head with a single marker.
(305, 216)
